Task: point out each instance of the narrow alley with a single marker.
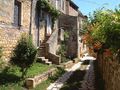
(85, 79)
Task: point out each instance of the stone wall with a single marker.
(8, 40)
(72, 11)
(9, 33)
(69, 24)
(52, 47)
(53, 42)
(110, 71)
(33, 82)
(6, 11)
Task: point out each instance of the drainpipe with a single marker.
(31, 15)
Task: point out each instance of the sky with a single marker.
(88, 6)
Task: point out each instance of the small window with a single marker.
(63, 4)
(17, 13)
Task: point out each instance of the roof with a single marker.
(74, 5)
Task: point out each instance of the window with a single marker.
(17, 13)
(56, 4)
(62, 4)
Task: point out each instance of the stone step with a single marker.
(49, 63)
(46, 60)
(41, 57)
(43, 60)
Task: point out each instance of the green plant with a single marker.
(60, 71)
(2, 63)
(45, 84)
(24, 54)
(104, 31)
(62, 52)
(46, 6)
(10, 76)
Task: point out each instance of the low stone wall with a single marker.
(33, 82)
(55, 58)
(69, 64)
(52, 47)
(110, 71)
(53, 42)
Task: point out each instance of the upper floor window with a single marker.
(62, 4)
(17, 13)
(56, 4)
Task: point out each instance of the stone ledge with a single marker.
(33, 82)
(71, 63)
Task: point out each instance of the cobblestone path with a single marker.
(89, 79)
(59, 83)
(87, 84)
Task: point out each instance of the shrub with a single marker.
(104, 31)
(24, 54)
(1, 61)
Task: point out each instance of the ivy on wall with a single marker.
(46, 6)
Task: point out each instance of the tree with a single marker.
(24, 54)
(104, 30)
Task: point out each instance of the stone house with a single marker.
(21, 16)
(15, 18)
(71, 20)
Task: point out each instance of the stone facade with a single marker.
(9, 33)
(110, 71)
(72, 9)
(21, 16)
(52, 47)
(70, 25)
(6, 11)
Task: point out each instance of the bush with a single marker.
(24, 54)
(103, 33)
(1, 60)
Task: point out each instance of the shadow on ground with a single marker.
(74, 82)
(8, 78)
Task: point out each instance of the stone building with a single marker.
(71, 20)
(14, 20)
(21, 16)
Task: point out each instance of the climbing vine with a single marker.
(46, 6)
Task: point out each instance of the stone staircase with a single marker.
(43, 60)
(41, 54)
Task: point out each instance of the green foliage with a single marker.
(63, 51)
(2, 63)
(44, 5)
(106, 28)
(64, 47)
(58, 73)
(45, 84)
(24, 53)
(66, 35)
(10, 76)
